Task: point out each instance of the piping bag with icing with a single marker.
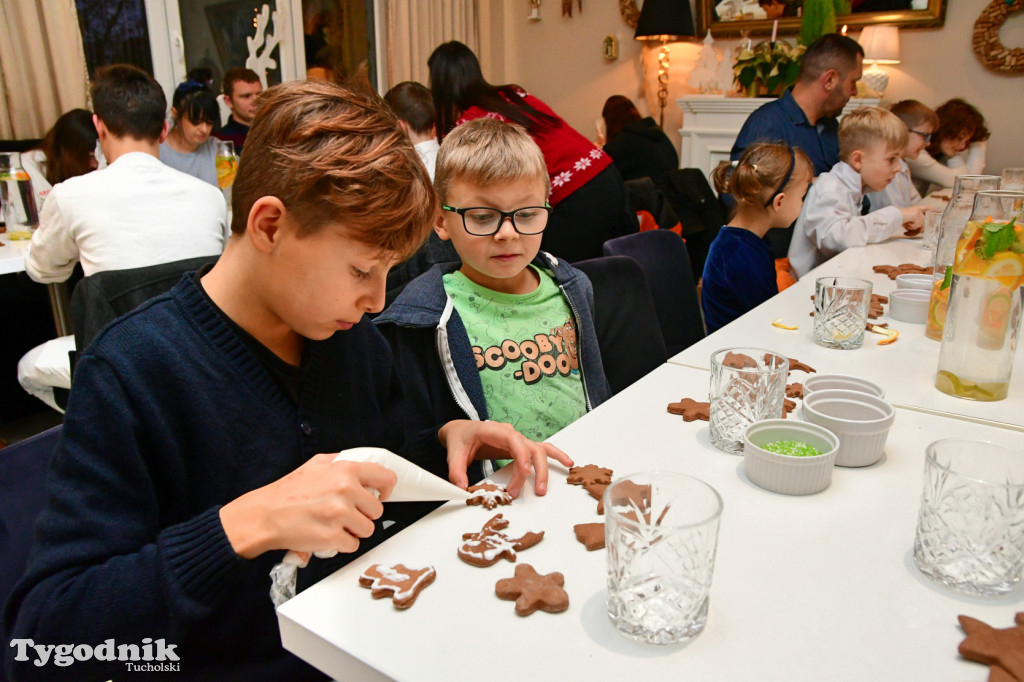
(414, 485)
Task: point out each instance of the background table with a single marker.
(805, 588)
(906, 368)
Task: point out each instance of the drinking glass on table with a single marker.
(969, 528)
(1013, 178)
(748, 385)
(661, 532)
(227, 164)
(841, 306)
(930, 238)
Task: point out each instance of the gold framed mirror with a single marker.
(730, 17)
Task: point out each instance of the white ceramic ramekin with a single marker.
(845, 382)
(784, 473)
(909, 305)
(911, 280)
(861, 422)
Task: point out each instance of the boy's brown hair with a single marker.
(232, 76)
(335, 154)
(865, 127)
(485, 152)
(957, 118)
(914, 114)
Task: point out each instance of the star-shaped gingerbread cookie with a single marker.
(532, 591)
(589, 474)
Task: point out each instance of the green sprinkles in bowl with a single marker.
(794, 448)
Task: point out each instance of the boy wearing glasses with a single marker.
(507, 334)
(921, 122)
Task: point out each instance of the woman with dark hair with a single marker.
(67, 150)
(189, 147)
(587, 191)
(639, 148)
(957, 147)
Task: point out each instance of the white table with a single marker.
(805, 588)
(12, 255)
(906, 368)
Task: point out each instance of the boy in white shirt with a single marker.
(835, 215)
(921, 122)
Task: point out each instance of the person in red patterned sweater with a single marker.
(587, 191)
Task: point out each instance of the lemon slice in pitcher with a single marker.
(1007, 267)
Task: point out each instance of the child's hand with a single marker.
(468, 440)
(323, 505)
(913, 217)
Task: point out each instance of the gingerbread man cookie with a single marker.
(589, 474)
(488, 495)
(1001, 649)
(489, 545)
(590, 534)
(532, 591)
(401, 583)
(691, 409)
(795, 390)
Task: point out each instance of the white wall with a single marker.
(559, 59)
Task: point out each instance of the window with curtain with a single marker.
(416, 27)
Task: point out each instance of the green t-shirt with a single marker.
(526, 349)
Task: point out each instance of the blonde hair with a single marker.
(757, 175)
(487, 151)
(336, 154)
(864, 127)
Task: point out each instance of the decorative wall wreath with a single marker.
(630, 12)
(992, 53)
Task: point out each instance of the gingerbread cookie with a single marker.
(589, 474)
(1001, 649)
(892, 271)
(691, 410)
(795, 390)
(738, 360)
(488, 495)
(489, 545)
(401, 583)
(630, 495)
(787, 407)
(590, 534)
(596, 491)
(532, 591)
(795, 364)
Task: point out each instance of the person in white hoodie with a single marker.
(835, 215)
(957, 147)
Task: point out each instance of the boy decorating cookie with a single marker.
(835, 215)
(198, 442)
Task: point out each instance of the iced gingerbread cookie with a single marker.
(590, 534)
(691, 410)
(490, 545)
(532, 591)
(589, 474)
(488, 495)
(401, 583)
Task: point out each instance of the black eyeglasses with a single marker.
(927, 136)
(482, 221)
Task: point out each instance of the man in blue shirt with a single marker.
(805, 116)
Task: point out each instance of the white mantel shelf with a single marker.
(712, 122)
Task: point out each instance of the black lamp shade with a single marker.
(665, 20)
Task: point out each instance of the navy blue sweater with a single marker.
(172, 415)
(739, 275)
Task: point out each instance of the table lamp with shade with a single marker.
(881, 46)
(666, 21)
